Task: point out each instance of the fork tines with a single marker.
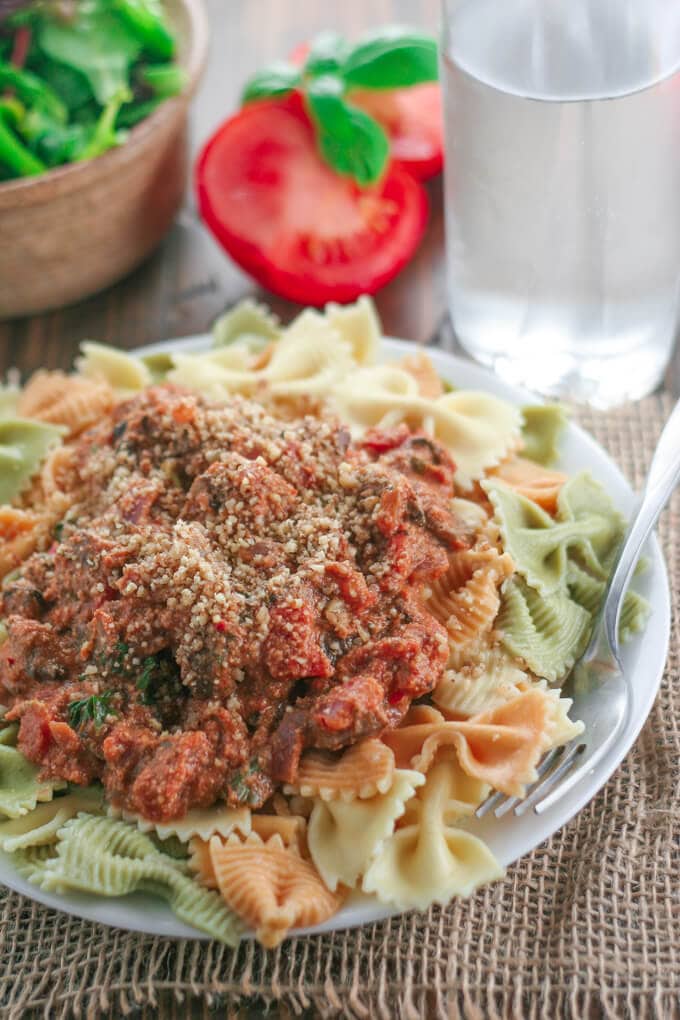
(552, 768)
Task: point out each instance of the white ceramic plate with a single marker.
(509, 838)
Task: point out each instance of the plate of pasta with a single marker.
(280, 608)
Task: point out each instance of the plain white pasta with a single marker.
(121, 370)
(344, 837)
(478, 428)
(216, 373)
(202, 822)
(489, 683)
(309, 358)
(428, 859)
(359, 326)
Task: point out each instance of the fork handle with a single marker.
(663, 477)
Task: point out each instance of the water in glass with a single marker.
(563, 190)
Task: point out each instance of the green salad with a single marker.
(75, 75)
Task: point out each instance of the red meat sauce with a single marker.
(227, 590)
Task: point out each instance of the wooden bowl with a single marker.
(77, 229)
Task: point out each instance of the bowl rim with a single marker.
(61, 180)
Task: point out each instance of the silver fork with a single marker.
(597, 683)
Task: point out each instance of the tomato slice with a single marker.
(297, 227)
(413, 119)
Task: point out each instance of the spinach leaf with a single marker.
(164, 80)
(55, 143)
(15, 155)
(104, 135)
(96, 43)
(238, 783)
(116, 661)
(145, 20)
(133, 113)
(32, 90)
(70, 85)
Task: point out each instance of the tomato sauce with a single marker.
(227, 590)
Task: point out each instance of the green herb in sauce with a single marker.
(120, 650)
(145, 680)
(93, 709)
(158, 671)
(238, 783)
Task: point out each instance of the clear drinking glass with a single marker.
(563, 190)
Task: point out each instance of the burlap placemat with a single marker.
(588, 925)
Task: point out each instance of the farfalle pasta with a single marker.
(423, 371)
(364, 770)
(276, 617)
(24, 444)
(429, 859)
(546, 633)
(490, 679)
(358, 326)
(21, 786)
(542, 428)
(40, 826)
(21, 532)
(270, 886)
(478, 428)
(537, 483)
(499, 747)
(73, 402)
(466, 598)
(344, 837)
(124, 372)
(218, 820)
(249, 324)
(308, 359)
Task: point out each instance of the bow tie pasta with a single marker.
(428, 859)
(318, 604)
(477, 428)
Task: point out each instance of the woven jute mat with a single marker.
(586, 926)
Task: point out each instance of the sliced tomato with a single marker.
(296, 226)
(413, 120)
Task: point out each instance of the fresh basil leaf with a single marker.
(275, 80)
(326, 55)
(350, 141)
(393, 59)
(96, 43)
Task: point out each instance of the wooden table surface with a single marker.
(189, 280)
